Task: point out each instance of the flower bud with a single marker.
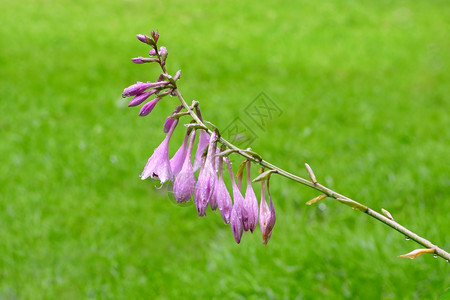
(155, 35)
(136, 89)
(152, 52)
(144, 38)
(148, 107)
(138, 60)
(168, 123)
(141, 98)
(184, 184)
(163, 53)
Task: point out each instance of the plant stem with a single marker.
(329, 192)
(315, 185)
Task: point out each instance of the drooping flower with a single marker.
(184, 184)
(266, 215)
(168, 123)
(203, 141)
(158, 165)
(177, 161)
(222, 196)
(236, 212)
(204, 188)
(236, 224)
(251, 202)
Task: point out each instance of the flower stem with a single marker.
(317, 186)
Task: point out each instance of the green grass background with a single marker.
(364, 89)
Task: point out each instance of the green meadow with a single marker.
(363, 89)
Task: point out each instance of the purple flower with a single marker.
(143, 38)
(236, 212)
(148, 107)
(251, 203)
(163, 53)
(168, 123)
(155, 35)
(177, 161)
(136, 89)
(221, 195)
(183, 186)
(204, 188)
(141, 98)
(138, 60)
(266, 216)
(203, 141)
(158, 165)
(152, 52)
(236, 224)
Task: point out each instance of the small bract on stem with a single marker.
(210, 189)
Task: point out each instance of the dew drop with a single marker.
(447, 260)
(435, 255)
(407, 238)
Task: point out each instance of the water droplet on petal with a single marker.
(435, 255)
(407, 238)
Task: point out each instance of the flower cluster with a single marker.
(206, 186)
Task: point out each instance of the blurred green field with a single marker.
(364, 89)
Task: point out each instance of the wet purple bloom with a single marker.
(168, 123)
(141, 98)
(148, 107)
(158, 165)
(136, 89)
(251, 202)
(266, 215)
(177, 161)
(204, 188)
(222, 196)
(203, 141)
(236, 224)
(236, 219)
(184, 184)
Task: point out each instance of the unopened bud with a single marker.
(163, 53)
(155, 35)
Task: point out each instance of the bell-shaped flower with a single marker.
(203, 141)
(236, 212)
(204, 188)
(184, 184)
(177, 161)
(250, 201)
(266, 215)
(236, 224)
(222, 196)
(158, 165)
